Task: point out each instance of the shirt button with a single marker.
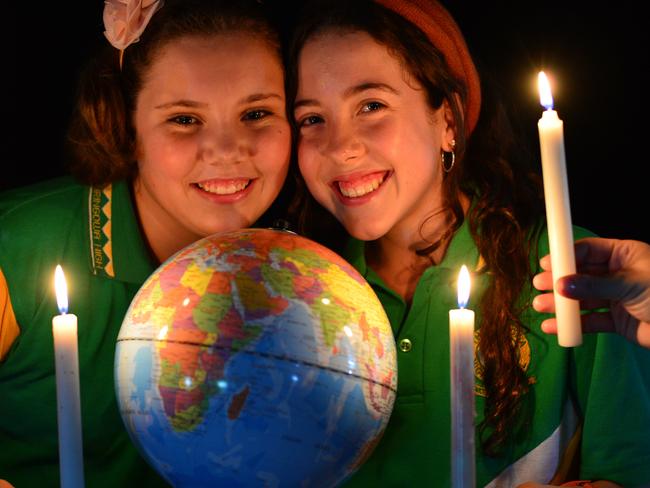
(405, 345)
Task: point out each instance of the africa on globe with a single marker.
(255, 358)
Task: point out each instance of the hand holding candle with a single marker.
(461, 351)
(558, 214)
(64, 330)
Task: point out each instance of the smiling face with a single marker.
(213, 140)
(369, 145)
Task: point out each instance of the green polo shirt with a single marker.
(94, 235)
(595, 387)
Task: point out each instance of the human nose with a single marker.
(343, 143)
(223, 145)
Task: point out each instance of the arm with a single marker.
(612, 274)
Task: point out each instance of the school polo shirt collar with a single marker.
(461, 250)
(114, 240)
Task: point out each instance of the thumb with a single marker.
(585, 287)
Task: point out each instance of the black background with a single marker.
(597, 58)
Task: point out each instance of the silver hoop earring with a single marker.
(448, 160)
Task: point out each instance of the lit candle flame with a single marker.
(545, 96)
(61, 289)
(463, 287)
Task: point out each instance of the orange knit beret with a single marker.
(443, 32)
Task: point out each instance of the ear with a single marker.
(449, 126)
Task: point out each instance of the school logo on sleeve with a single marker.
(524, 361)
(101, 243)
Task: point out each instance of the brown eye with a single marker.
(311, 120)
(184, 120)
(255, 115)
(372, 107)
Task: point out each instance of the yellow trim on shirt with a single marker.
(9, 329)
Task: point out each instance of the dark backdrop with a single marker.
(598, 58)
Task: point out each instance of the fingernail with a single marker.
(534, 303)
(569, 285)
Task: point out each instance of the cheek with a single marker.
(275, 164)
(306, 163)
(275, 147)
(317, 186)
(386, 138)
(398, 136)
(162, 159)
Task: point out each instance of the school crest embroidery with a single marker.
(524, 362)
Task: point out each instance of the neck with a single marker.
(162, 234)
(395, 258)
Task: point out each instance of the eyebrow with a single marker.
(256, 97)
(353, 90)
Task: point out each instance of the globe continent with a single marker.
(255, 358)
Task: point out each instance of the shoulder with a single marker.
(40, 218)
(44, 205)
(39, 225)
(38, 195)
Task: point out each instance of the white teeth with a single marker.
(223, 188)
(361, 189)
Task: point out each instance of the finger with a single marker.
(545, 262)
(593, 268)
(594, 250)
(594, 304)
(591, 323)
(643, 334)
(592, 254)
(631, 329)
(603, 323)
(549, 326)
(544, 303)
(581, 286)
(543, 281)
(597, 322)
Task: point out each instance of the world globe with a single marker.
(255, 358)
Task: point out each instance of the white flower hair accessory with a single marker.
(125, 21)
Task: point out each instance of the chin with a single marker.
(226, 225)
(364, 232)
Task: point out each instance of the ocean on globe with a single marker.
(255, 358)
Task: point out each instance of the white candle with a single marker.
(66, 360)
(461, 351)
(558, 215)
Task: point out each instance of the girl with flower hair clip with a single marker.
(176, 136)
(400, 141)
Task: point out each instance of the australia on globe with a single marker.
(255, 358)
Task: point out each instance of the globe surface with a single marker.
(255, 358)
